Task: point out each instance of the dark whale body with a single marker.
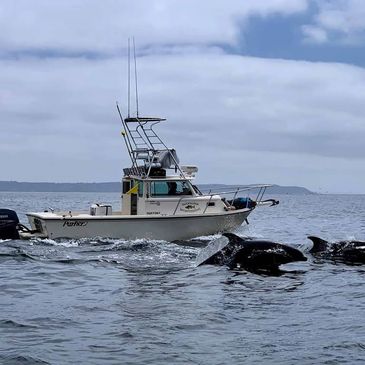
(253, 255)
(347, 251)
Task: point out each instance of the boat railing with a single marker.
(261, 192)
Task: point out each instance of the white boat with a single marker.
(158, 201)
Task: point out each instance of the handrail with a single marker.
(251, 187)
(178, 203)
(261, 187)
(206, 207)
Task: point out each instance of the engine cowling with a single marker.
(8, 224)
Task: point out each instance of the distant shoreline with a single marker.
(115, 187)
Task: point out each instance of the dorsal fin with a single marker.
(232, 237)
(319, 244)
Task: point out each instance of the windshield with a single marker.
(170, 188)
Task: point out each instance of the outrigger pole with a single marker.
(126, 136)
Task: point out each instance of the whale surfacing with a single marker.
(350, 251)
(251, 254)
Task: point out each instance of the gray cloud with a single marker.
(224, 111)
(241, 119)
(337, 21)
(78, 26)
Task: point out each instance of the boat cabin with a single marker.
(165, 196)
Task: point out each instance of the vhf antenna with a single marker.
(129, 79)
(129, 76)
(135, 74)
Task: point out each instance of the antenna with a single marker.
(135, 74)
(129, 78)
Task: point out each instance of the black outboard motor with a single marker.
(8, 224)
(241, 203)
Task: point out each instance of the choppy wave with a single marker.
(102, 301)
(22, 360)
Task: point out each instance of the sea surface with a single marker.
(103, 301)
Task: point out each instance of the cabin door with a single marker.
(134, 200)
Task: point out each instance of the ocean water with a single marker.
(106, 301)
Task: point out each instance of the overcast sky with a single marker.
(255, 91)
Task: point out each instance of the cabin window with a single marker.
(140, 189)
(126, 186)
(170, 188)
(159, 188)
(132, 187)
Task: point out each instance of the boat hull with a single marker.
(169, 228)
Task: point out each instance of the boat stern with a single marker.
(38, 226)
